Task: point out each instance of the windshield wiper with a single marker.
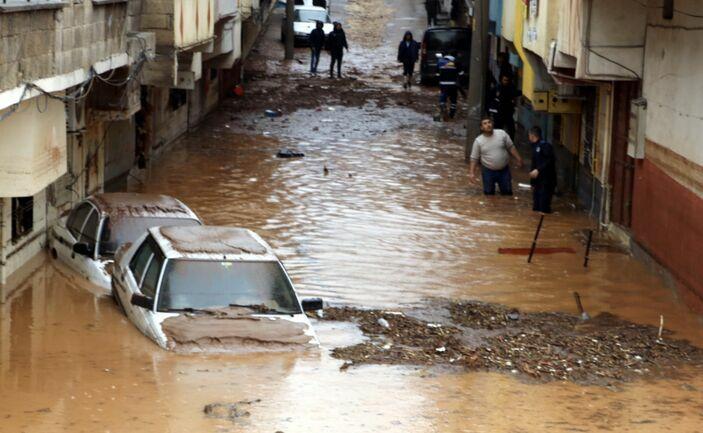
(262, 309)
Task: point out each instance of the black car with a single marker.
(444, 40)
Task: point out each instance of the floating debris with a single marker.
(229, 411)
(543, 346)
(288, 153)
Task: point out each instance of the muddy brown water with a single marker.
(394, 222)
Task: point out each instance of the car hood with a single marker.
(236, 330)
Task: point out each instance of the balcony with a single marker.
(39, 124)
(7, 6)
(179, 25)
(184, 30)
(600, 40)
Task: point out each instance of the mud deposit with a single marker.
(233, 329)
(542, 346)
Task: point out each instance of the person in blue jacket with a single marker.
(408, 53)
(449, 86)
(543, 174)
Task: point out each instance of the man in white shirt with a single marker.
(492, 149)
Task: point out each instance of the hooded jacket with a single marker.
(337, 42)
(408, 51)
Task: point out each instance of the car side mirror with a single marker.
(312, 304)
(83, 249)
(142, 301)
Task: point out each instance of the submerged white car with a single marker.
(209, 288)
(87, 238)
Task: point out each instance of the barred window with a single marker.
(22, 217)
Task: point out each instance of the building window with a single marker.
(177, 98)
(22, 217)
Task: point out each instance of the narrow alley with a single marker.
(379, 213)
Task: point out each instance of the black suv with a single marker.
(445, 41)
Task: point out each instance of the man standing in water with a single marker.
(408, 53)
(317, 41)
(543, 176)
(492, 149)
(336, 43)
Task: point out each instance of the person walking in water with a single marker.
(432, 8)
(317, 42)
(449, 85)
(336, 43)
(492, 150)
(543, 174)
(408, 53)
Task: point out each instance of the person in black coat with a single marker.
(432, 8)
(317, 42)
(544, 173)
(501, 104)
(336, 43)
(408, 53)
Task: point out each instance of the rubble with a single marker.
(543, 346)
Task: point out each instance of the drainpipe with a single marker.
(605, 167)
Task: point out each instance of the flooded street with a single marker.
(391, 223)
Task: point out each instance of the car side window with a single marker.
(141, 259)
(151, 279)
(89, 234)
(75, 221)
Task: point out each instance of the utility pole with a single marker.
(290, 36)
(478, 68)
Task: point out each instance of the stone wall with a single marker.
(43, 43)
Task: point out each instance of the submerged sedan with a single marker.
(210, 288)
(87, 238)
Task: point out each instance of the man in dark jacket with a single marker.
(502, 104)
(544, 174)
(432, 8)
(408, 53)
(317, 42)
(336, 43)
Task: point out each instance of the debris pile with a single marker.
(543, 346)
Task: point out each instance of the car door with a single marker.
(143, 277)
(88, 235)
(68, 232)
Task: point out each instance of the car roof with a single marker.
(215, 243)
(444, 29)
(310, 8)
(130, 204)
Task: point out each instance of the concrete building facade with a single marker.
(91, 89)
(615, 85)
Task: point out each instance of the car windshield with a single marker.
(448, 40)
(305, 15)
(200, 284)
(128, 229)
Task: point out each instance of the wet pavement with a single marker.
(392, 223)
